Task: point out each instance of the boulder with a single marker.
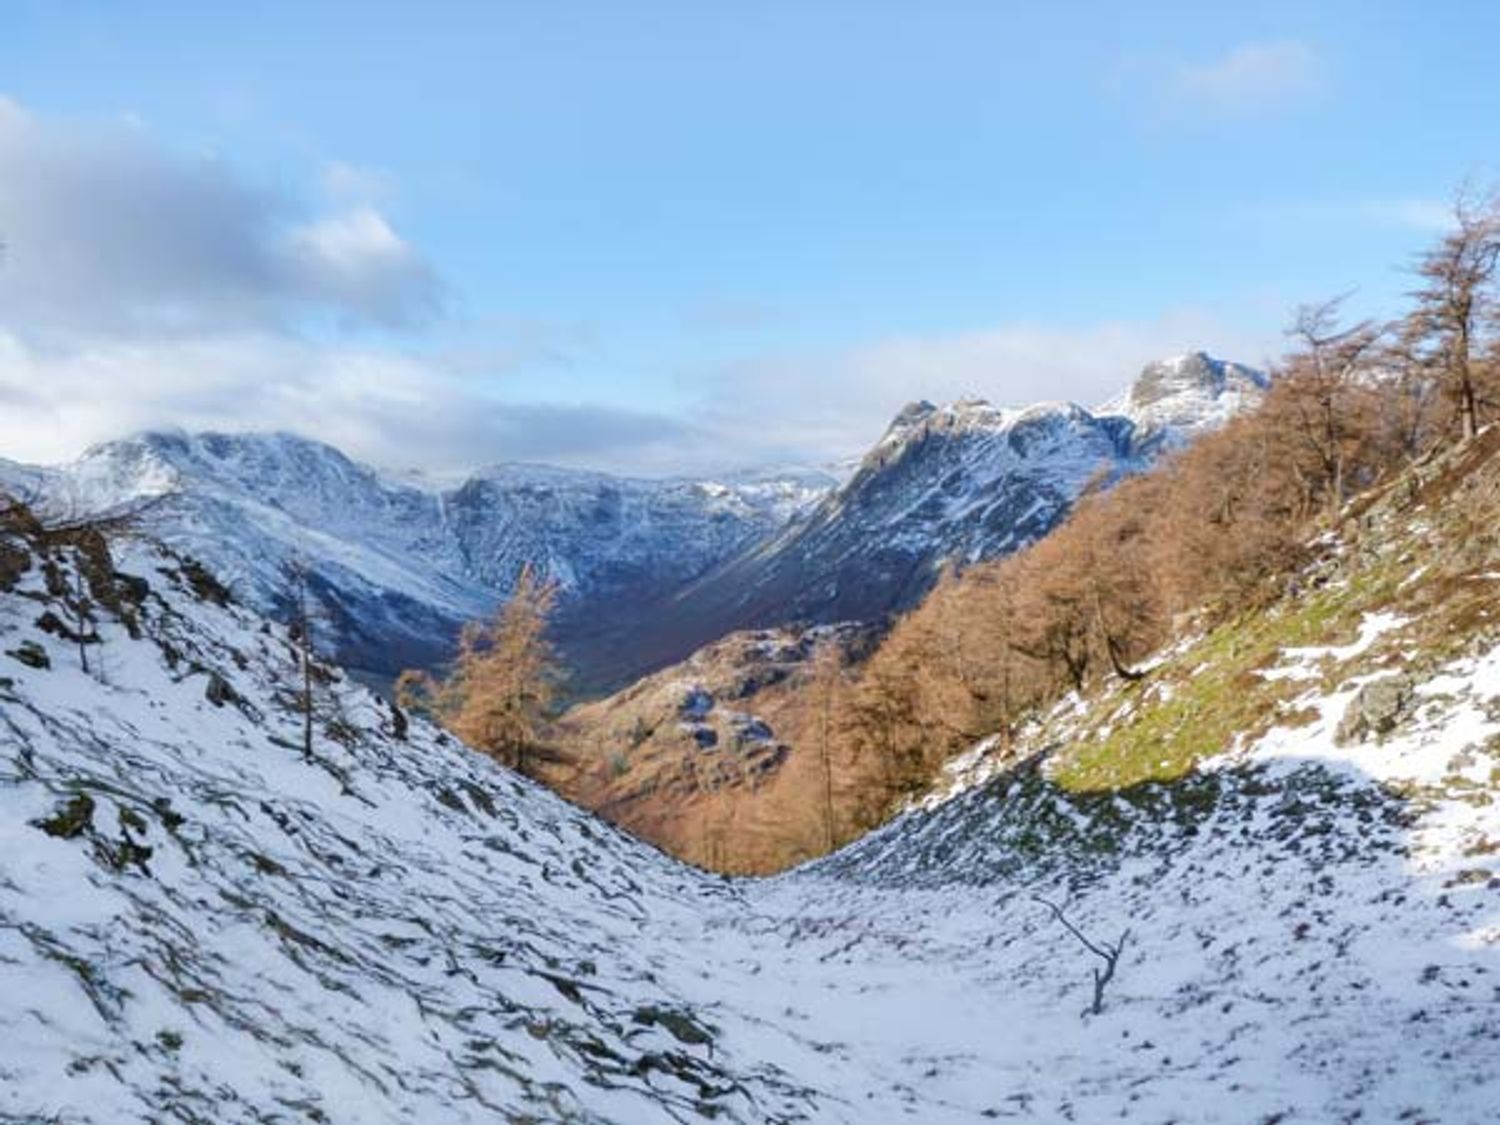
(1376, 709)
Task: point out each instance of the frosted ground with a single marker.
(400, 931)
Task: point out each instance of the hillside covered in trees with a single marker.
(1224, 527)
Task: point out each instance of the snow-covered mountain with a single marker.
(1174, 400)
(198, 922)
(944, 485)
(970, 481)
(650, 569)
(398, 564)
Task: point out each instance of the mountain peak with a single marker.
(912, 414)
(1187, 394)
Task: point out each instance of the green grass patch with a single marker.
(1203, 700)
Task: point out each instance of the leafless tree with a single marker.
(61, 524)
(299, 598)
(1109, 953)
(1326, 376)
(1455, 300)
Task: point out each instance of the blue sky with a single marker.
(662, 236)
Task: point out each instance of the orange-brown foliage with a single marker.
(1218, 526)
(504, 678)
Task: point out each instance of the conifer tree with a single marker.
(827, 683)
(504, 679)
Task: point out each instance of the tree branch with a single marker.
(1109, 954)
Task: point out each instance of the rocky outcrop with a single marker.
(715, 759)
(1376, 709)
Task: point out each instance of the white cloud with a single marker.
(110, 234)
(1430, 215)
(355, 261)
(403, 411)
(1249, 79)
(797, 406)
(145, 289)
(1254, 75)
(425, 410)
(1413, 213)
(346, 183)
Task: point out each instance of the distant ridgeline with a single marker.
(649, 570)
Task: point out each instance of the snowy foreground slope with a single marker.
(197, 924)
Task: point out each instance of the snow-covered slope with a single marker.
(944, 485)
(197, 922)
(397, 564)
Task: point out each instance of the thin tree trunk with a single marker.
(307, 699)
(827, 769)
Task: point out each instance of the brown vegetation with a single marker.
(738, 759)
(734, 758)
(1219, 527)
(1451, 328)
(503, 684)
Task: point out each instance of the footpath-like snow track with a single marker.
(198, 924)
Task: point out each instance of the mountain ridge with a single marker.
(398, 565)
(944, 485)
(648, 568)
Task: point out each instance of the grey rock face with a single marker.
(396, 566)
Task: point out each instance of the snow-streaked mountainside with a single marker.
(950, 484)
(650, 569)
(197, 923)
(970, 480)
(1174, 400)
(396, 565)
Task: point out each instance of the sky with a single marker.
(675, 237)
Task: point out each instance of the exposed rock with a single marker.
(400, 562)
(14, 562)
(649, 570)
(50, 623)
(1376, 709)
(204, 585)
(220, 691)
(696, 704)
(945, 486)
(750, 728)
(709, 743)
(31, 654)
(72, 820)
